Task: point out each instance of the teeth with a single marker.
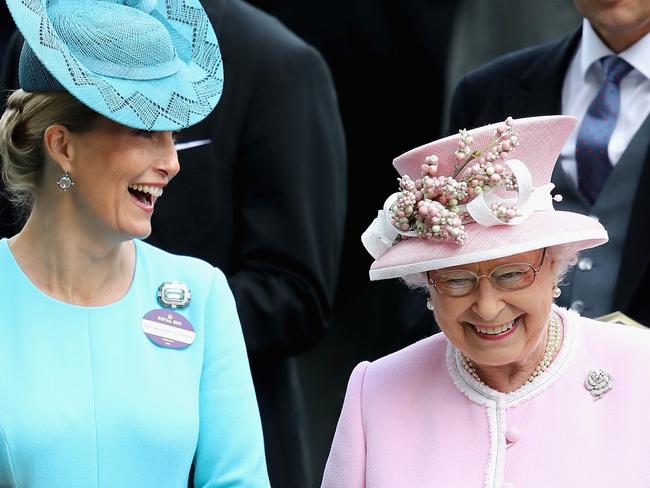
(156, 191)
(496, 330)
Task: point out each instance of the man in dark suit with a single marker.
(261, 195)
(565, 77)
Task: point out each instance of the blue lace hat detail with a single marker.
(147, 64)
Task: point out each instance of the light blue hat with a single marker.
(147, 64)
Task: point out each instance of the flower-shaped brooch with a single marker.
(598, 383)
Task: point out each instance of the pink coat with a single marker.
(416, 419)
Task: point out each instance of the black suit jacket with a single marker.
(263, 196)
(529, 83)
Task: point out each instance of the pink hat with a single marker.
(480, 195)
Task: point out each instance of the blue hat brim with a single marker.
(169, 103)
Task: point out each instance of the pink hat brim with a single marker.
(539, 230)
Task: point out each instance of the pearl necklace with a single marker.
(552, 345)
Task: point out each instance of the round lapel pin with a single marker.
(167, 328)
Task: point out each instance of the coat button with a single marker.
(512, 434)
(578, 305)
(585, 264)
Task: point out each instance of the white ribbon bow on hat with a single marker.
(381, 234)
(529, 199)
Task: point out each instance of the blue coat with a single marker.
(87, 400)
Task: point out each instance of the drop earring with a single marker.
(429, 304)
(65, 182)
(556, 292)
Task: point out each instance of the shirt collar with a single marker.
(593, 48)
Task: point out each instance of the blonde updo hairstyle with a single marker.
(22, 127)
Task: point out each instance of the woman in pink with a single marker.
(515, 391)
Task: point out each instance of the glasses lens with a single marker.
(513, 276)
(455, 283)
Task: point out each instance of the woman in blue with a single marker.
(120, 365)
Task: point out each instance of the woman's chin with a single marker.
(140, 232)
(143, 235)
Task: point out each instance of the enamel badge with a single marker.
(167, 328)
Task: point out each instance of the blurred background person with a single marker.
(600, 74)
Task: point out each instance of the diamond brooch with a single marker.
(598, 383)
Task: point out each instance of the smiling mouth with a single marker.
(145, 194)
(495, 331)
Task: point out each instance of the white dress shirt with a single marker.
(582, 82)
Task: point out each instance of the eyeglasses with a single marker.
(507, 277)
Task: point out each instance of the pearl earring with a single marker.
(429, 304)
(65, 182)
(556, 292)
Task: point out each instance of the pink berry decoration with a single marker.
(434, 206)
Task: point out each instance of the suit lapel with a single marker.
(538, 91)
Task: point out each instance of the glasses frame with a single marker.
(432, 281)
